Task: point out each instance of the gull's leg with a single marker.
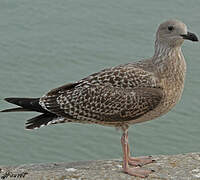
(140, 161)
(135, 171)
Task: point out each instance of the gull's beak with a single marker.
(190, 36)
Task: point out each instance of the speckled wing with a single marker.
(112, 96)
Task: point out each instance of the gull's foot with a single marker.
(140, 161)
(138, 172)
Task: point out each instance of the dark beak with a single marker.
(190, 36)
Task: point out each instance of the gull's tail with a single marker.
(32, 104)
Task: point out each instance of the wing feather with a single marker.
(112, 95)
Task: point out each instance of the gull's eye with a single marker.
(170, 28)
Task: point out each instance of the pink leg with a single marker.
(138, 161)
(136, 171)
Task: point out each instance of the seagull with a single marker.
(119, 96)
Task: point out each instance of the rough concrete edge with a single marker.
(167, 167)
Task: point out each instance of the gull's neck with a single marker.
(163, 51)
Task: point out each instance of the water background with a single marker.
(47, 43)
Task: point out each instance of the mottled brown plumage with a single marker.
(114, 96)
(121, 95)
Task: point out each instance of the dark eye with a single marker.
(170, 28)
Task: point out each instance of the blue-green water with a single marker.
(47, 43)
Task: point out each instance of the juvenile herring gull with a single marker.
(120, 96)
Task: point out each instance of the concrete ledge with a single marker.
(172, 167)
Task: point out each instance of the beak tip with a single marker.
(195, 38)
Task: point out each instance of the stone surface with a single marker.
(172, 167)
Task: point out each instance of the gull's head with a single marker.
(172, 33)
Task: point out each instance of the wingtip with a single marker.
(8, 99)
(3, 110)
(5, 99)
(18, 109)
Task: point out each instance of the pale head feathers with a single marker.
(169, 39)
(169, 33)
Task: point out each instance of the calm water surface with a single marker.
(46, 43)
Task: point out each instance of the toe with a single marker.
(138, 172)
